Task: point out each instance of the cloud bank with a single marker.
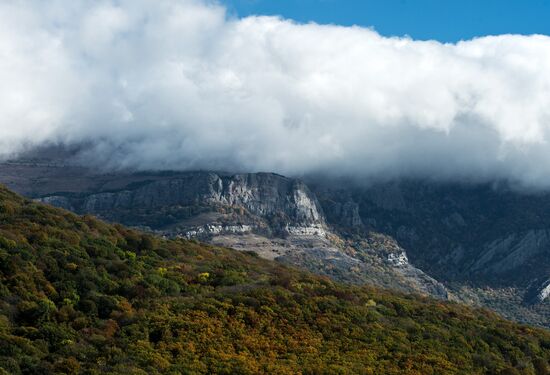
(166, 84)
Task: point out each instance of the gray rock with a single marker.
(265, 195)
(538, 293)
(513, 251)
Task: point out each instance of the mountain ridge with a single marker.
(357, 234)
(78, 295)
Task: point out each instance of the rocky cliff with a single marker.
(254, 199)
(483, 245)
(490, 245)
(475, 233)
(277, 217)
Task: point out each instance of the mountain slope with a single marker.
(81, 296)
(457, 232)
(484, 245)
(276, 216)
(490, 245)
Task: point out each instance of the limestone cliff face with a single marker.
(286, 202)
(278, 217)
(516, 251)
(489, 245)
(544, 291)
(539, 292)
(477, 243)
(458, 233)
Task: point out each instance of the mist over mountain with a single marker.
(182, 85)
(185, 190)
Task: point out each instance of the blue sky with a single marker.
(443, 20)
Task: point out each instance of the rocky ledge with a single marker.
(283, 204)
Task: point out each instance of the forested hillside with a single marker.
(81, 296)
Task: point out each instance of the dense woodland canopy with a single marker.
(81, 296)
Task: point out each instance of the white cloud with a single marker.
(179, 85)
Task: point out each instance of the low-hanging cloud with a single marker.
(166, 84)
